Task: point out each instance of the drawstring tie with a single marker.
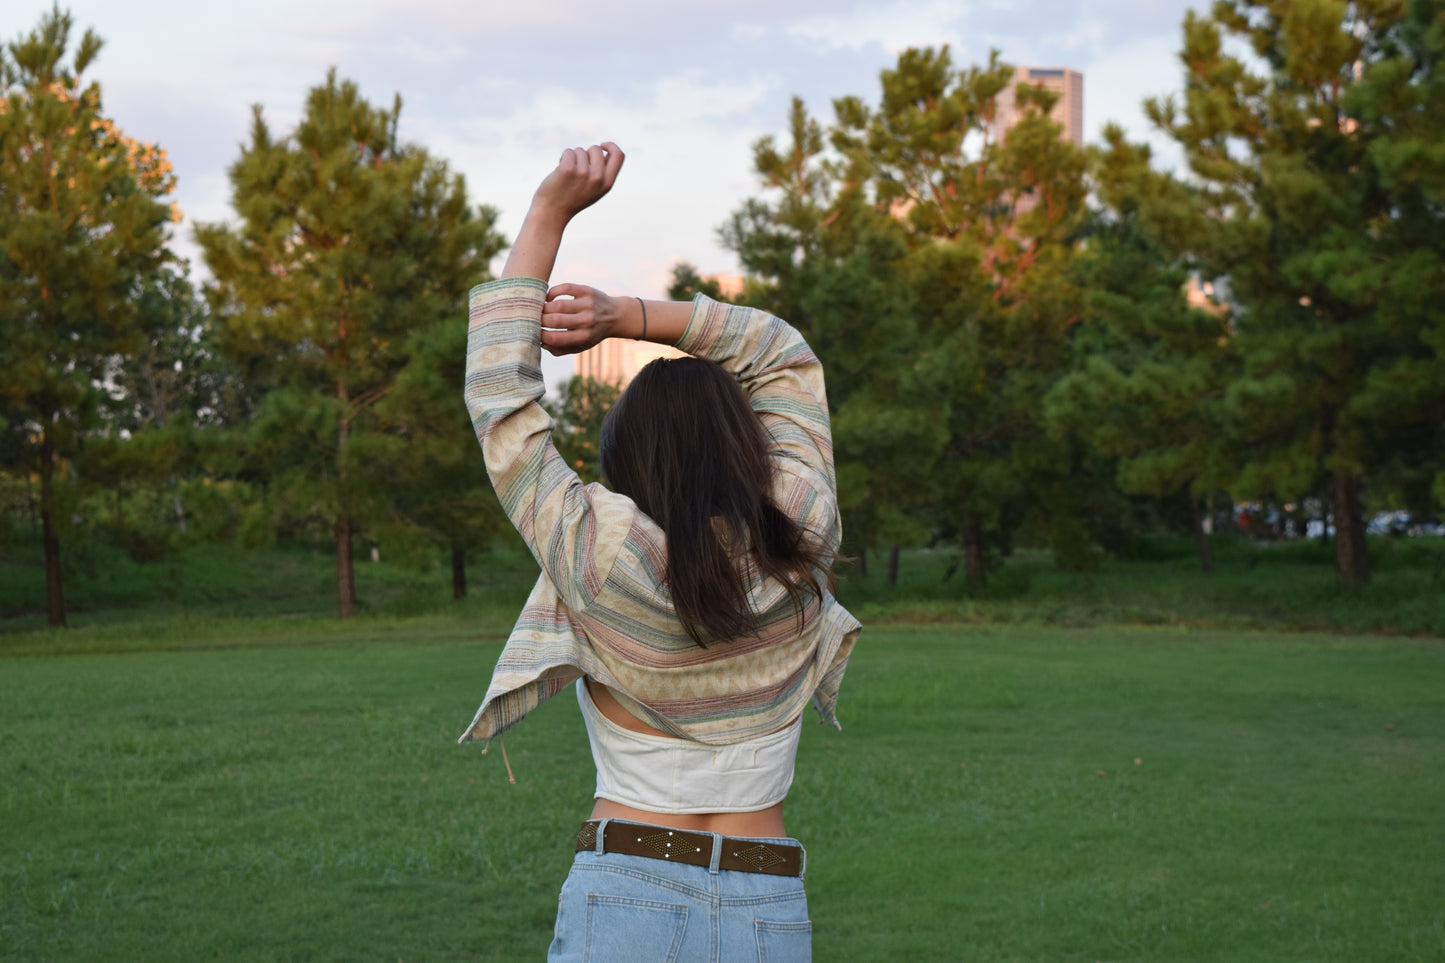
(501, 741)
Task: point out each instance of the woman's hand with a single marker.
(581, 317)
(580, 179)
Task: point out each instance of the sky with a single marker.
(498, 88)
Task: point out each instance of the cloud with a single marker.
(891, 27)
(1117, 83)
(1035, 32)
(565, 21)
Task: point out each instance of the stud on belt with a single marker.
(681, 846)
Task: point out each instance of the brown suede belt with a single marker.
(680, 846)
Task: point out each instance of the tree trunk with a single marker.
(1201, 537)
(30, 503)
(893, 565)
(54, 592)
(459, 571)
(345, 575)
(863, 563)
(973, 552)
(1352, 557)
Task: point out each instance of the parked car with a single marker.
(1400, 522)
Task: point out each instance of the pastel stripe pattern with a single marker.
(600, 607)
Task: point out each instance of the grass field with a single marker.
(288, 789)
(1286, 587)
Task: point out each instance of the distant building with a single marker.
(730, 285)
(1201, 294)
(1068, 110)
(617, 360)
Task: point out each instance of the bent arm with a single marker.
(779, 371)
(768, 357)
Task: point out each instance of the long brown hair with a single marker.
(684, 444)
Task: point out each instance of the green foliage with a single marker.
(350, 243)
(1319, 216)
(686, 283)
(425, 459)
(1146, 379)
(81, 229)
(117, 597)
(177, 374)
(578, 417)
(1286, 586)
(154, 476)
(929, 267)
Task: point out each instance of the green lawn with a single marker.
(1288, 586)
(290, 790)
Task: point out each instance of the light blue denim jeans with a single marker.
(631, 909)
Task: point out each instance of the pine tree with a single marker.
(349, 241)
(428, 470)
(578, 415)
(1147, 378)
(1317, 234)
(175, 401)
(81, 227)
(819, 253)
(992, 232)
(686, 283)
(1400, 103)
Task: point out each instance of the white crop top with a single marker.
(663, 774)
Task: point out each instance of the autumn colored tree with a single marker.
(82, 225)
(348, 242)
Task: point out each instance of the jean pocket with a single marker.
(784, 942)
(622, 930)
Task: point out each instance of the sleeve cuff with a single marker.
(507, 287)
(694, 336)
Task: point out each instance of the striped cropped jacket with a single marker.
(601, 607)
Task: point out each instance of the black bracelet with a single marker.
(642, 304)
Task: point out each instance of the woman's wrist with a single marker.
(664, 322)
(629, 318)
(548, 215)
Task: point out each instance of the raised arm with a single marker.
(574, 530)
(580, 180)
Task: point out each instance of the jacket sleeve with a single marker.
(574, 530)
(784, 383)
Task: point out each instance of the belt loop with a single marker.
(718, 840)
(802, 861)
(601, 831)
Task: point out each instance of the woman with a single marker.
(690, 603)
